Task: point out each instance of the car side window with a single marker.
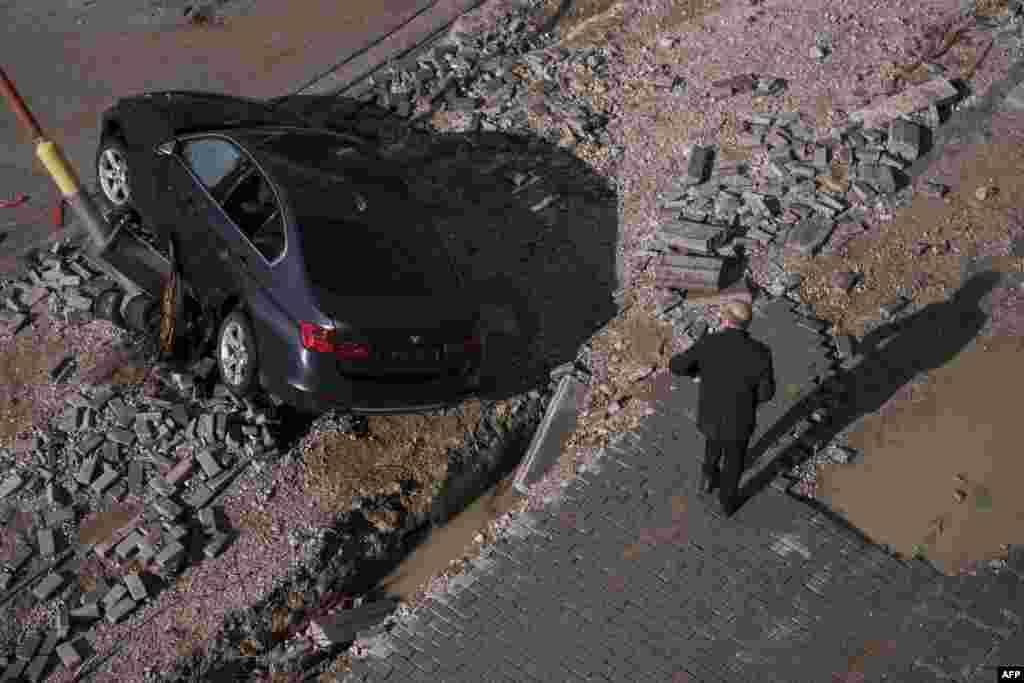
(214, 160)
(269, 238)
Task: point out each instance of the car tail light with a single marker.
(470, 345)
(321, 340)
(316, 338)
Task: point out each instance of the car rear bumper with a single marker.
(375, 397)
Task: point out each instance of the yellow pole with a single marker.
(59, 169)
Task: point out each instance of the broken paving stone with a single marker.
(120, 610)
(48, 586)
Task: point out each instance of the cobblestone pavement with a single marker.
(630, 576)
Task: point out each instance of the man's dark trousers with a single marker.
(723, 467)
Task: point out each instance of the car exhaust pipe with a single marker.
(60, 171)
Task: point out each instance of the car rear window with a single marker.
(376, 259)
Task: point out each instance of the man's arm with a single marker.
(766, 383)
(687, 363)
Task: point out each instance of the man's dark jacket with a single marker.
(735, 375)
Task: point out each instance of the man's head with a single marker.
(737, 314)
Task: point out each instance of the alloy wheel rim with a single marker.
(233, 354)
(113, 176)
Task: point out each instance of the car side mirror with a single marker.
(167, 149)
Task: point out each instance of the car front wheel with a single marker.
(112, 172)
(236, 354)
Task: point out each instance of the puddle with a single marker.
(451, 542)
(959, 432)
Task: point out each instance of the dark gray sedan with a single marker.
(331, 285)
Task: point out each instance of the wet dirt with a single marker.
(958, 420)
(448, 546)
(959, 432)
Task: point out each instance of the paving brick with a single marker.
(106, 479)
(170, 555)
(60, 515)
(50, 642)
(136, 588)
(135, 475)
(29, 645)
(69, 655)
(208, 463)
(87, 470)
(87, 612)
(200, 496)
(116, 592)
(36, 668)
(47, 542)
(127, 546)
(161, 486)
(11, 484)
(90, 444)
(48, 586)
(120, 610)
(121, 436)
(168, 509)
(14, 670)
(216, 545)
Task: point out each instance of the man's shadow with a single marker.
(892, 355)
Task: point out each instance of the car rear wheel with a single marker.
(236, 354)
(112, 172)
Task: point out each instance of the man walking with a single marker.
(735, 374)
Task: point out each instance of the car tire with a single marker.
(237, 342)
(112, 173)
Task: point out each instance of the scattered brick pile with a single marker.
(178, 456)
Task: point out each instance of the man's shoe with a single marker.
(705, 485)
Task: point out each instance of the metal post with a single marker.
(57, 166)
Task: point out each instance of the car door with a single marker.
(254, 238)
(202, 169)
